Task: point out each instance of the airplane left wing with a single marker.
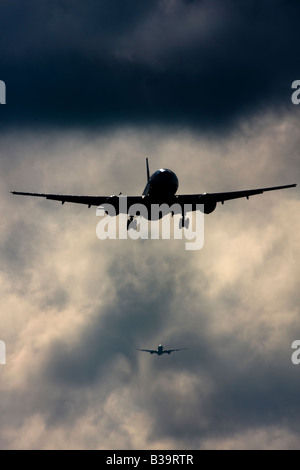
(168, 351)
(221, 197)
(213, 198)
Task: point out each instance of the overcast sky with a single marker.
(203, 88)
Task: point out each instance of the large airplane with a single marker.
(160, 189)
(160, 350)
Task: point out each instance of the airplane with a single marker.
(161, 188)
(160, 350)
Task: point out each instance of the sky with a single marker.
(200, 87)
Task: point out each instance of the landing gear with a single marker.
(183, 222)
(131, 223)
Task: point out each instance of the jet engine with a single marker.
(209, 207)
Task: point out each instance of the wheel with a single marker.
(131, 223)
(184, 223)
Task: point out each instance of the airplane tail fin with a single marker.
(148, 172)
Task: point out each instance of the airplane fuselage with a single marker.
(161, 186)
(160, 350)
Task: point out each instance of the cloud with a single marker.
(203, 88)
(74, 309)
(196, 64)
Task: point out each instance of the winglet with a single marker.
(148, 172)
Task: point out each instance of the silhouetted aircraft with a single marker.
(160, 189)
(160, 350)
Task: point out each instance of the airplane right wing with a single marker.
(88, 200)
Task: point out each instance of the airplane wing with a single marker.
(151, 351)
(213, 198)
(210, 199)
(226, 196)
(88, 200)
(168, 351)
(221, 197)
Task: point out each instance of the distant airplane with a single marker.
(160, 189)
(160, 350)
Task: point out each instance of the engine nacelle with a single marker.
(209, 207)
(208, 203)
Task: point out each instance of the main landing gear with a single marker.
(184, 222)
(131, 223)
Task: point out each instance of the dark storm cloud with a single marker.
(74, 309)
(175, 62)
(135, 316)
(233, 390)
(219, 386)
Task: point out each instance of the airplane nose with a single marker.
(171, 180)
(164, 183)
